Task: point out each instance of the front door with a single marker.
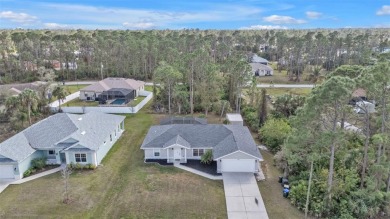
(63, 157)
(177, 153)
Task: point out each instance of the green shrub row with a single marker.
(78, 166)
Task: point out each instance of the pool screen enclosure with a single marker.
(118, 93)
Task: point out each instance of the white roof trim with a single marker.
(179, 145)
(236, 152)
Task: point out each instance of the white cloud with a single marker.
(313, 14)
(21, 18)
(139, 25)
(278, 19)
(55, 26)
(143, 18)
(264, 27)
(385, 10)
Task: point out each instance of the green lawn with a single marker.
(74, 88)
(281, 77)
(136, 101)
(149, 88)
(78, 102)
(295, 91)
(123, 187)
(277, 206)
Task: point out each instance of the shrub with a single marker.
(274, 132)
(78, 166)
(207, 157)
(39, 163)
(27, 172)
(90, 166)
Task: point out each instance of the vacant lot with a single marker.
(74, 88)
(124, 187)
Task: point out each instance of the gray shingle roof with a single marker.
(49, 131)
(224, 139)
(109, 83)
(16, 148)
(89, 130)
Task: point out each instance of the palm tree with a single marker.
(60, 93)
(11, 104)
(29, 99)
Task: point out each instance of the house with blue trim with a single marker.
(61, 138)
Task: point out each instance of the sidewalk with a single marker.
(197, 172)
(5, 183)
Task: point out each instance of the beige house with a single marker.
(93, 91)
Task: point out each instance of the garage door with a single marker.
(238, 165)
(6, 172)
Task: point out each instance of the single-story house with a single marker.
(16, 89)
(259, 69)
(232, 146)
(364, 106)
(234, 118)
(61, 138)
(257, 59)
(93, 91)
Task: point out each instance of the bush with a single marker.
(207, 157)
(39, 163)
(28, 172)
(90, 166)
(273, 133)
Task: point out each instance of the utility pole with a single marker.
(101, 69)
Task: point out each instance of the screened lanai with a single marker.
(118, 95)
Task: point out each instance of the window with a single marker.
(156, 153)
(80, 158)
(197, 152)
(52, 152)
(110, 137)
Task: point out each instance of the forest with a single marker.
(334, 172)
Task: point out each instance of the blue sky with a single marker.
(202, 14)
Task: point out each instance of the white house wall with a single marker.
(104, 148)
(26, 164)
(149, 154)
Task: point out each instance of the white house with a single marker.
(259, 69)
(232, 146)
(127, 85)
(61, 138)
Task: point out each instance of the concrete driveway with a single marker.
(241, 193)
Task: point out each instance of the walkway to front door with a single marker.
(243, 198)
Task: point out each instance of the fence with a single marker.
(108, 109)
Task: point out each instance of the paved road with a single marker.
(241, 193)
(286, 85)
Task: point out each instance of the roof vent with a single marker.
(80, 119)
(83, 132)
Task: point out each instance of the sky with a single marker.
(202, 14)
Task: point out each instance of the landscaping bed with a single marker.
(206, 168)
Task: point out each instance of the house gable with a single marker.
(237, 155)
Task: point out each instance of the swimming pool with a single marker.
(118, 102)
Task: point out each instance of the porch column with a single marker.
(185, 155)
(167, 155)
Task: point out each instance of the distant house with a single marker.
(259, 69)
(61, 138)
(69, 65)
(111, 89)
(232, 146)
(16, 89)
(30, 66)
(257, 59)
(358, 95)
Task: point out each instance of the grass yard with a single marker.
(277, 206)
(281, 77)
(74, 88)
(78, 102)
(295, 91)
(123, 187)
(137, 101)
